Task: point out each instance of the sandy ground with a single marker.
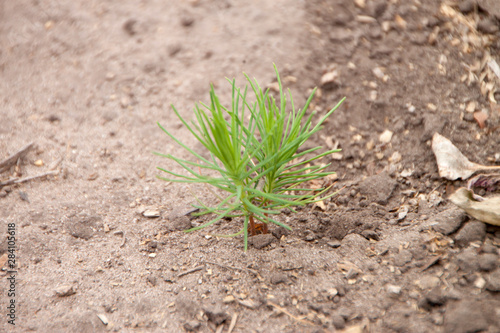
(86, 82)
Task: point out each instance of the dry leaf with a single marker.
(481, 118)
(491, 183)
(452, 164)
(487, 211)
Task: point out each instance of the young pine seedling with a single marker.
(254, 150)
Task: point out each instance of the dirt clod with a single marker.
(65, 290)
(471, 232)
(261, 241)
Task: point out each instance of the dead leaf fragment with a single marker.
(481, 117)
(487, 211)
(490, 182)
(452, 164)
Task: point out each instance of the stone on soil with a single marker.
(471, 232)
(468, 316)
(65, 290)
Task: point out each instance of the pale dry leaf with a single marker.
(452, 164)
(487, 211)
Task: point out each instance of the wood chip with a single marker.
(249, 303)
(103, 318)
(234, 319)
(365, 19)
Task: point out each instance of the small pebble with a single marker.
(392, 289)
(65, 290)
(334, 244)
(278, 278)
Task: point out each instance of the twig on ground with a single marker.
(285, 311)
(27, 179)
(55, 163)
(232, 267)
(292, 268)
(11, 160)
(196, 269)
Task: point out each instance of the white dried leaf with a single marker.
(487, 211)
(452, 164)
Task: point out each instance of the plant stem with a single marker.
(252, 226)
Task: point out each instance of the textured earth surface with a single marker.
(99, 239)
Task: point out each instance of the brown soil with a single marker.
(86, 81)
